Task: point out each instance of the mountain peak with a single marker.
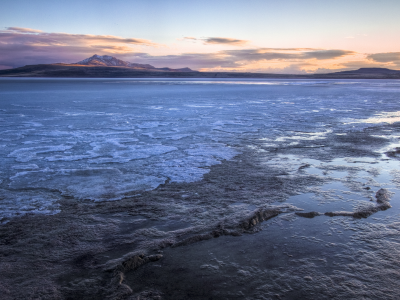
(111, 61)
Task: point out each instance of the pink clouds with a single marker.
(21, 46)
(23, 30)
(28, 35)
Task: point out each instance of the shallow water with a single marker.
(163, 160)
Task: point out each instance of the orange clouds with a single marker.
(277, 60)
(388, 57)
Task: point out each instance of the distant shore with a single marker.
(70, 71)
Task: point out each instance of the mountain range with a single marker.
(105, 66)
(110, 61)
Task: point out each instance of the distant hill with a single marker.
(380, 71)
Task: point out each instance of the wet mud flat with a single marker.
(318, 219)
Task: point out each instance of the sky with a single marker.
(286, 36)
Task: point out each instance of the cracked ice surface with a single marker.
(108, 139)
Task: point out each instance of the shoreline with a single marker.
(65, 71)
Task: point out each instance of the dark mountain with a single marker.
(95, 66)
(381, 71)
(111, 67)
(110, 61)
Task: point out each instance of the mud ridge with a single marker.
(134, 261)
(382, 203)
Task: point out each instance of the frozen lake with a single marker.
(109, 139)
(106, 169)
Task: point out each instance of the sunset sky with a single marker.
(286, 36)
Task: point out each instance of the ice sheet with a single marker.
(105, 139)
